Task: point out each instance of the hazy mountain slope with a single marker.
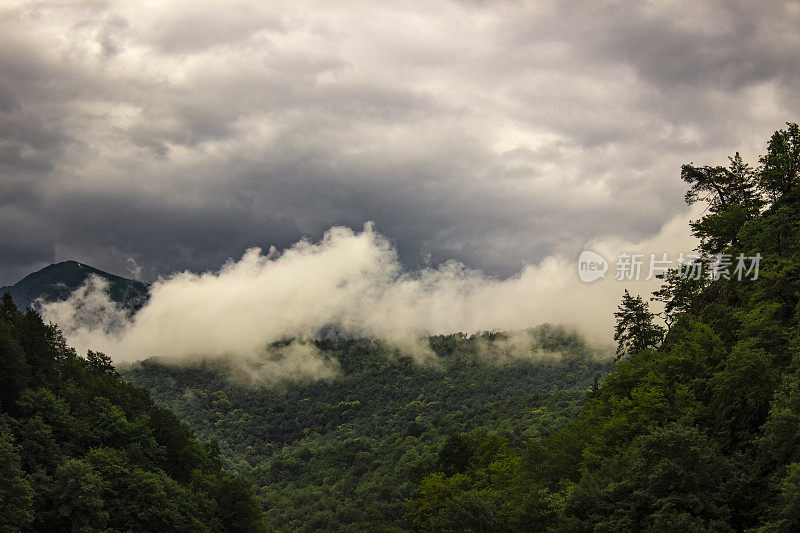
(58, 281)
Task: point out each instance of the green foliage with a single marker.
(345, 454)
(780, 175)
(741, 391)
(680, 294)
(668, 478)
(16, 494)
(732, 196)
(786, 511)
(82, 450)
(635, 330)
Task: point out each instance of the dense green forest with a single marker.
(346, 453)
(82, 450)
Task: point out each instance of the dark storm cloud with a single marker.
(30, 243)
(179, 235)
(495, 134)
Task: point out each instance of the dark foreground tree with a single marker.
(635, 330)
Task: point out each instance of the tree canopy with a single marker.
(82, 450)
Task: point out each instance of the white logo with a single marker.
(591, 266)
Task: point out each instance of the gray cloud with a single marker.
(494, 134)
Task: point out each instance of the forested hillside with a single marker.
(346, 453)
(82, 450)
(695, 430)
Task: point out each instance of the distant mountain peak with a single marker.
(57, 281)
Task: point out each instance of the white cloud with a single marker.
(353, 282)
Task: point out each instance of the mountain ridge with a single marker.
(57, 281)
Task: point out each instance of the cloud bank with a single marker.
(351, 282)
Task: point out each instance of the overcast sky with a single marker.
(173, 135)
